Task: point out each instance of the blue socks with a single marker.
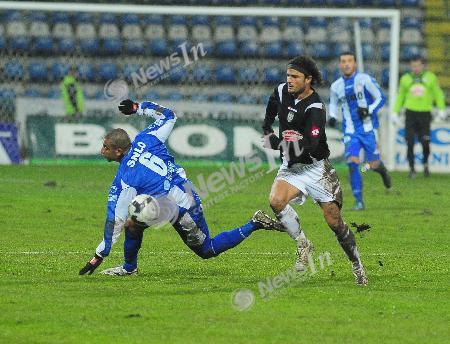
(131, 246)
(355, 181)
(226, 240)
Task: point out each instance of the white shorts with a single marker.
(317, 180)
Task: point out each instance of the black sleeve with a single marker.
(315, 127)
(271, 112)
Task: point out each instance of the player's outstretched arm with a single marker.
(119, 197)
(165, 118)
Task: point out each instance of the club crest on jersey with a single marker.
(290, 116)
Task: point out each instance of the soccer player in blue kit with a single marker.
(146, 167)
(360, 99)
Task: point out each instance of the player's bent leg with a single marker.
(355, 181)
(346, 239)
(379, 167)
(131, 246)
(282, 192)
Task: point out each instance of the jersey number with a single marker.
(154, 163)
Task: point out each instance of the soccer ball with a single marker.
(143, 210)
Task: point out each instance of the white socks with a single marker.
(290, 220)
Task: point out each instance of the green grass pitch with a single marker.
(49, 231)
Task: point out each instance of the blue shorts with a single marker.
(367, 141)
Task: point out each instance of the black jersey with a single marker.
(305, 118)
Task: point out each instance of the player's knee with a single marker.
(277, 203)
(374, 164)
(352, 166)
(352, 160)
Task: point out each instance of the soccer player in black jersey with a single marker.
(305, 169)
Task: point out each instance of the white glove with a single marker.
(442, 115)
(395, 119)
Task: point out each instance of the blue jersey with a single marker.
(147, 168)
(359, 90)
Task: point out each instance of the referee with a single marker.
(419, 89)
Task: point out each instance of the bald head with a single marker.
(118, 138)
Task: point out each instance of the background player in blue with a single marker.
(146, 167)
(360, 98)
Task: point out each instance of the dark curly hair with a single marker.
(308, 67)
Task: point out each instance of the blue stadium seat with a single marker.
(54, 93)
(66, 45)
(107, 71)
(385, 51)
(264, 99)
(339, 3)
(226, 49)
(20, 43)
(83, 17)
(59, 70)
(224, 20)
(339, 48)
(158, 47)
(32, 93)
(200, 20)
(135, 46)
(175, 96)
(177, 75)
(410, 3)
(408, 51)
(100, 95)
(89, 46)
(108, 18)
(386, 3)
(385, 77)
(295, 49)
(411, 23)
(222, 97)
(2, 43)
(200, 98)
(320, 22)
(384, 23)
(86, 72)
(364, 3)
(295, 21)
(37, 71)
(246, 98)
(153, 19)
(152, 96)
(112, 46)
(270, 21)
(225, 74)
(61, 17)
(249, 48)
(273, 74)
(272, 50)
(12, 16)
(202, 74)
(37, 16)
(368, 50)
(247, 74)
(13, 70)
(178, 20)
(248, 20)
(43, 45)
(317, 3)
(321, 50)
(325, 75)
(129, 69)
(365, 23)
(130, 18)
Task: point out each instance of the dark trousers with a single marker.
(417, 124)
